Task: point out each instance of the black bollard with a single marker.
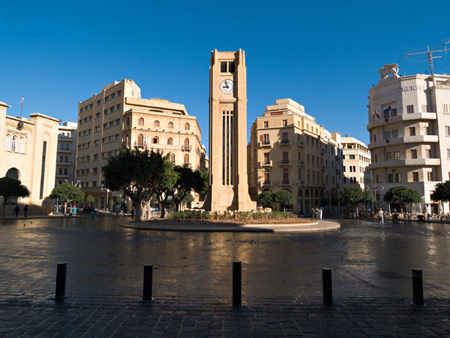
(148, 281)
(327, 287)
(60, 291)
(417, 287)
(237, 283)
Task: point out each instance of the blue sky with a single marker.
(322, 54)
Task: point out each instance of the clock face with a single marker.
(226, 86)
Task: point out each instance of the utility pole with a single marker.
(430, 56)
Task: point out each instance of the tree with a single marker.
(137, 173)
(188, 181)
(265, 199)
(284, 198)
(442, 192)
(188, 198)
(11, 188)
(90, 199)
(355, 195)
(167, 183)
(401, 195)
(67, 193)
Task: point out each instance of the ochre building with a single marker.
(356, 158)
(289, 150)
(117, 118)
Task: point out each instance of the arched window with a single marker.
(187, 126)
(186, 158)
(306, 193)
(127, 140)
(8, 142)
(156, 124)
(170, 141)
(300, 193)
(186, 142)
(13, 173)
(172, 157)
(141, 121)
(140, 140)
(14, 144)
(170, 125)
(21, 145)
(155, 140)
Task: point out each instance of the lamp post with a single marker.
(375, 187)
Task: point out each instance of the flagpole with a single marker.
(21, 107)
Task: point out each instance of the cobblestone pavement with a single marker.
(192, 281)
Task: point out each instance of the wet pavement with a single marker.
(192, 280)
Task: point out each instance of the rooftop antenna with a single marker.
(430, 56)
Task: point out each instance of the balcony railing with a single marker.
(264, 144)
(285, 142)
(185, 147)
(265, 164)
(285, 162)
(284, 182)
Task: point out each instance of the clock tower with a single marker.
(228, 183)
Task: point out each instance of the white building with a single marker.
(409, 125)
(65, 157)
(356, 158)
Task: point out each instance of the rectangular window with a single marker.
(415, 176)
(113, 95)
(223, 67)
(412, 131)
(398, 177)
(107, 99)
(387, 135)
(388, 156)
(105, 125)
(105, 112)
(118, 106)
(266, 124)
(231, 67)
(119, 93)
(390, 178)
(445, 108)
(284, 138)
(447, 130)
(285, 157)
(265, 139)
(351, 157)
(266, 158)
(396, 155)
(284, 123)
(99, 102)
(394, 112)
(410, 109)
(111, 109)
(424, 108)
(266, 178)
(430, 176)
(448, 154)
(414, 154)
(395, 133)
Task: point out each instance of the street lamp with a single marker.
(375, 187)
(107, 191)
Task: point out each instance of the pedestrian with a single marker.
(16, 210)
(25, 210)
(313, 213)
(381, 217)
(74, 210)
(320, 213)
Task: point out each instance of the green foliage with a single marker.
(355, 195)
(284, 198)
(90, 199)
(188, 181)
(11, 188)
(67, 193)
(442, 192)
(265, 199)
(401, 195)
(227, 215)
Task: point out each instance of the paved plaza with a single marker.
(192, 281)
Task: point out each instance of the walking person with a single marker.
(25, 210)
(381, 217)
(17, 210)
(320, 213)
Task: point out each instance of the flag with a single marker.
(21, 101)
(376, 113)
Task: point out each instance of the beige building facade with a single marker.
(409, 125)
(65, 157)
(289, 150)
(228, 181)
(356, 158)
(28, 153)
(118, 118)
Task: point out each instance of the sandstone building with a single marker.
(28, 153)
(409, 125)
(117, 118)
(65, 157)
(289, 150)
(356, 158)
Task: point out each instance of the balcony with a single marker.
(285, 183)
(285, 162)
(399, 118)
(185, 147)
(265, 164)
(285, 143)
(406, 139)
(63, 175)
(65, 138)
(416, 162)
(301, 163)
(264, 145)
(301, 143)
(65, 151)
(68, 163)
